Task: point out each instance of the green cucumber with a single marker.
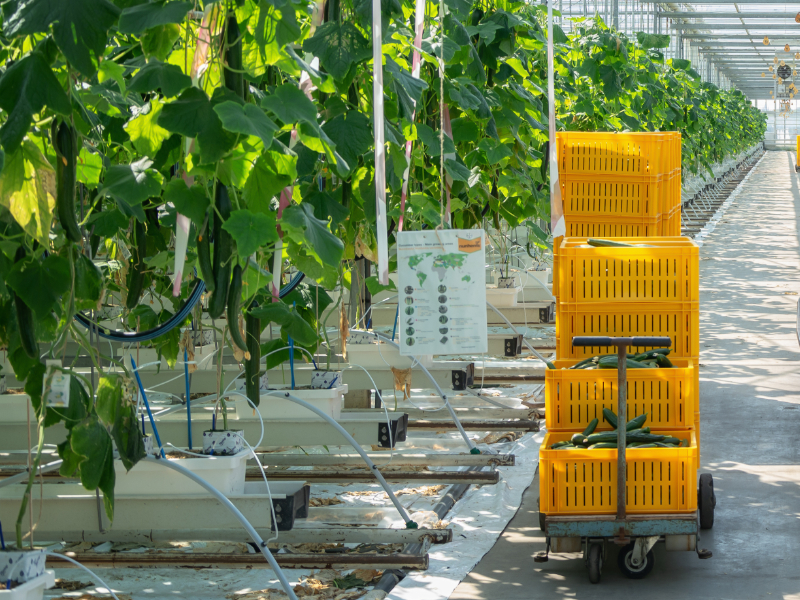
(590, 427)
(578, 439)
(600, 445)
(27, 333)
(635, 431)
(234, 71)
(672, 440)
(611, 362)
(603, 436)
(223, 253)
(585, 363)
(136, 275)
(234, 297)
(204, 256)
(65, 143)
(558, 445)
(610, 417)
(94, 240)
(636, 422)
(608, 244)
(252, 365)
(663, 362)
(648, 446)
(651, 354)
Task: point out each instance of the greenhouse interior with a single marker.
(398, 299)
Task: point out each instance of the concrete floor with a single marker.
(750, 405)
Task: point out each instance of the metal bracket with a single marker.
(399, 431)
(641, 547)
(548, 314)
(512, 346)
(463, 378)
(291, 507)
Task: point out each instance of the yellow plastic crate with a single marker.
(679, 321)
(590, 196)
(574, 397)
(584, 482)
(612, 227)
(619, 154)
(666, 271)
(671, 226)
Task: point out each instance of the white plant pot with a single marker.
(381, 355)
(502, 297)
(223, 443)
(274, 407)
(20, 566)
(225, 473)
(541, 276)
(31, 590)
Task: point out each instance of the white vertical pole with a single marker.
(380, 146)
(557, 225)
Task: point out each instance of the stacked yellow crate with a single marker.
(622, 186)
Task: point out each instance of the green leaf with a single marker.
(301, 222)
(190, 201)
(291, 105)
(408, 89)
(25, 88)
(127, 436)
(352, 134)
(277, 23)
(145, 133)
(156, 75)
(91, 442)
(650, 40)
(28, 190)
(374, 286)
(251, 230)
(158, 41)
(456, 170)
(271, 173)
(432, 139)
(132, 184)
(311, 298)
(291, 322)
(110, 393)
(681, 64)
(247, 119)
(111, 70)
(80, 27)
(90, 165)
(338, 47)
(108, 223)
(276, 353)
(327, 207)
(40, 284)
(137, 19)
(88, 284)
(612, 86)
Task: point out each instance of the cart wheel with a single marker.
(628, 569)
(595, 562)
(542, 517)
(706, 501)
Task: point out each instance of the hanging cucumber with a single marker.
(223, 253)
(204, 255)
(94, 240)
(136, 273)
(234, 296)
(27, 333)
(234, 71)
(65, 142)
(252, 365)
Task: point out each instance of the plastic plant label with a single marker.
(442, 294)
(56, 385)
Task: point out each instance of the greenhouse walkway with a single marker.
(750, 404)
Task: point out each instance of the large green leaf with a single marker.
(91, 442)
(277, 23)
(251, 230)
(652, 40)
(338, 46)
(291, 105)
(408, 89)
(352, 134)
(25, 88)
(137, 19)
(271, 173)
(108, 223)
(28, 190)
(155, 75)
(132, 184)
(190, 201)
(145, 132)
(291, 322)
(300, 222)
(80, 27)
(247, 119)
(88, 284)
(40, 284)
(90, 165)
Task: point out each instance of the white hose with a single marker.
(514, 329)
(92, 573)
(26, 473)
(262, 545)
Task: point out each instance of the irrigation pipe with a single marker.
(24, 474)
(94, 575)
(472, 448)
(287, 396)
(262, 545)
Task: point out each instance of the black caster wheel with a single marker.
(594, 562)
(631, 571)
(706, 501)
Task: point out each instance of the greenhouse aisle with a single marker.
(750, 403)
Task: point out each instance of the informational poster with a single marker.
(442, 292)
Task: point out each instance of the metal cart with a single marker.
(637, 534)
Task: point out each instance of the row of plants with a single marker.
(247, 124)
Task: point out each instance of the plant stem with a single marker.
(31, 477)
